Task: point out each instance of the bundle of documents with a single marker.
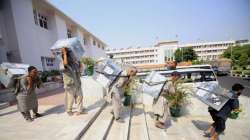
(213, 95)
(106, 72)
(153, 84)
(9, 71)
(152, 87)
(74, 46)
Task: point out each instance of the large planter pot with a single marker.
(175, 111)
(127, 100)
(89, 70)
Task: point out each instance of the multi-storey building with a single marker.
(209, 50)
(161, 52)
(28, 28)
(164, 51)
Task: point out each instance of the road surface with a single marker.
(228, 81)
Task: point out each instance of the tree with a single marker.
(237, 52)
(178, 55)
(243, 60)
(198, 62)
(185, 54)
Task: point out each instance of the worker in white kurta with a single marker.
(117, 92)
(160, 105)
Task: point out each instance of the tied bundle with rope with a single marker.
(106, 72)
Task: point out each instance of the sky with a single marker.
(133, 23)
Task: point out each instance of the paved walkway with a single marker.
(99, 123)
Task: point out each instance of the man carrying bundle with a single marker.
(72, 83)
(160, 105)
(26, 95)
(116, 91)
(220, 117)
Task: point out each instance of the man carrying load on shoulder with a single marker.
(26, 94)
(160, 105)
(117, 92)
(220, 117)
(72, 83)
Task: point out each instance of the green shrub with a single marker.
(247, 72)
(237, 72)
(88, 61)
(45, 74)
(54, 73)
(235, 68)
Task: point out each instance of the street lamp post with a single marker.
(182, 54)
(231, 56)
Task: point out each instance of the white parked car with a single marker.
(189, 76)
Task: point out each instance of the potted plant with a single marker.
(128, 90)
(234, 114)
(89, 63)
(177, 100)
(127, 95)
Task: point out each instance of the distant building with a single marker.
(28, 28)
(161, 52)
(209, 50)
(155, 57)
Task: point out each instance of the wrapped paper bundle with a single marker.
(9, 71)
(74, 46)
(153, 84)
(106, 72)
(152, 87)
(213, 95)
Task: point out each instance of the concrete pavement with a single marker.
(99, 124)
(58, 125)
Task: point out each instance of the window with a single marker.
(48, 63)
(35, 16)
(69, 33)
(99, 45)
(94, 42)
(85, 41)
(43, 22)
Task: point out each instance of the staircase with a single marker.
(138, 125)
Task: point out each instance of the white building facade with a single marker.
(209, 50)
(164, 51)
(28, 28)
(158, 54)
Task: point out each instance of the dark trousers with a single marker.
(219, 123)
(35, 109)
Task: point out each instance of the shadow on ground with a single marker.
(55, 110)
(201, 125)
(95, 105)
(137, 111)
(7, 113)
(56, 91)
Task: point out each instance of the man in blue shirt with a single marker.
(220, 117)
